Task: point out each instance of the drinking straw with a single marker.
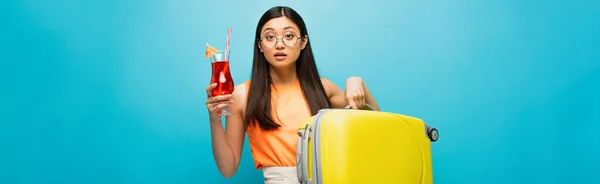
(227, 44)
(226, 57)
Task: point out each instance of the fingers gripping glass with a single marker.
(270, 41)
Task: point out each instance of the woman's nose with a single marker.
(279, 45)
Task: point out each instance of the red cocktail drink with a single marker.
(221, 76)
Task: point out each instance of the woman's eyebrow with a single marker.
(271, 29)
(267, 29)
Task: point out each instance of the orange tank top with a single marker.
(278, 147)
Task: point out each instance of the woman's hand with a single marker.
(355, 92)
(216, 103)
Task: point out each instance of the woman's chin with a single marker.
(281, 64)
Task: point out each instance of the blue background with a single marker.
(113, 91)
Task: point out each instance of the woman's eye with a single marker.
(289, 36)
(269, 37)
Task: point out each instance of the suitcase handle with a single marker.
(302, 149)
(366, 107)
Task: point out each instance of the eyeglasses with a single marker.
(270, 41)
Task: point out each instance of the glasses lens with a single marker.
(290, 42)
(269, 43)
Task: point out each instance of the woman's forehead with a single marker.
(280, 24)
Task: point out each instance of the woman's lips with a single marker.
(280, 56)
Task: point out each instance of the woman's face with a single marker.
(281, 43)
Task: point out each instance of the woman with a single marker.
(285, 89)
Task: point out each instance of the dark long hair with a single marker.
(259, 95)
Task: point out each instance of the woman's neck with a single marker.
(283, 76)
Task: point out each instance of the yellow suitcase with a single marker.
(347, 146)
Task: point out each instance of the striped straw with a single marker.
(227, 44)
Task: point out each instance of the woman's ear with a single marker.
(304, 41)
(259, 46)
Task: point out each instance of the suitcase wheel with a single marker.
(433, 134)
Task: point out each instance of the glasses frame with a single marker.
(277, 41)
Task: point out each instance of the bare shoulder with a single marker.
(330, 87)
(326, 83)
(239, 97)
(240, 90)
(334, 93)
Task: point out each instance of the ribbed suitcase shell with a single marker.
(346, 146)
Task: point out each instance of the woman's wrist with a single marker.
(215, 120)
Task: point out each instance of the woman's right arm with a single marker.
(227, 143)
